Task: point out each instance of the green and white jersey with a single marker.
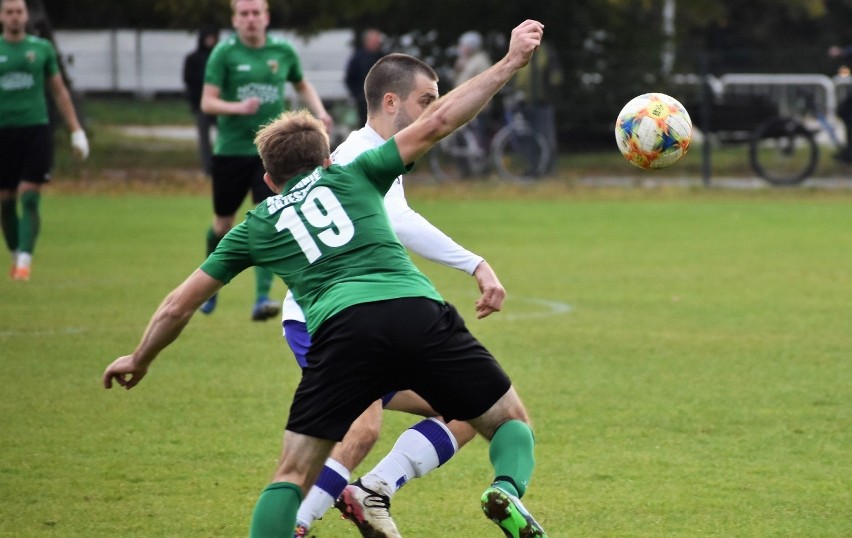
(24, 68)
(241, 72)
(328, 236)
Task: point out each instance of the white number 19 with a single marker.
(321, 209)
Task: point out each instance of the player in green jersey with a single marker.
(377, 324)
(244, 87)
(28, 66)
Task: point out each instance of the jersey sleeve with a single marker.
(423, 238)
(382, 165)
(214, 72)
(231, 256)
(51, 66)
(294, 73)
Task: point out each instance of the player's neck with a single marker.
(13, 37)
(254, 41)
(383, 126)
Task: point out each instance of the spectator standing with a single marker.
(244, 86)
(193, 79)
(28, 67)
(539, 82)
(359, 65)
(472, 60)
(844, 108)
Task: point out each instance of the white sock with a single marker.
(24, 259)
(420, 449)
(333, 478)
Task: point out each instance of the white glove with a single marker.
(80, 144)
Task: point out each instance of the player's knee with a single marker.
(29, 200)
(362, 435)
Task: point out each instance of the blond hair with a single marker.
(292, 144)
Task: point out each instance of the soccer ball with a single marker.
(653, 131)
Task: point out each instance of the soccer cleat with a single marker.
(264, 309)
(21, 273)
(209, 305)
(301, 530)
(368, 510)
(507, 512)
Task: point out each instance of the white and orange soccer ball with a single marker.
(653, 130)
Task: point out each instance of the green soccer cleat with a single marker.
(507, 512)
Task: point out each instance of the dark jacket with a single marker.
(193, 69)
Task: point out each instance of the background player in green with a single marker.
(28, 66)
(377, 323)
(244, 86)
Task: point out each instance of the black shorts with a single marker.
(233, 177)
(26, 154)
(368, 350)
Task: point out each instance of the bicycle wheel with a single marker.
(783, 152)
(520, 155)
(457, 156)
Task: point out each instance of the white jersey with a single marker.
(415, 232)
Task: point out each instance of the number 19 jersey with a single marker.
(328, 236)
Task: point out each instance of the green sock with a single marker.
(9, 222)
(263, 282)
(511, 452)
(212, 240)
(275, 512)
(30, 221)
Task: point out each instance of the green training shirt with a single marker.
(241, 72)
(328, 236)
(24, 68)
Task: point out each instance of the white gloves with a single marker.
(80, 144)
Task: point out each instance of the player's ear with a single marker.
(271, 184)
(390, 101)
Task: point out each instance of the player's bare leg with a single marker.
(334, 477)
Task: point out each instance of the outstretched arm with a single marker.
(463, 103)
(165, 326)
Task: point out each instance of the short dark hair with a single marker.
(394, 73)
(292, 144)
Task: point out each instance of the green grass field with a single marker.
(684, 355)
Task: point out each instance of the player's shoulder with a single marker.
(355, 144)
(225, 46)
(279, 43)
(37, 41)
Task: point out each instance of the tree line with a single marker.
(608, 50)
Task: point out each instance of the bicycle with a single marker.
(784, 150)
(517, 152)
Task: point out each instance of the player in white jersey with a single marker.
(398, 89)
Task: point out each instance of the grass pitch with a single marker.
(684, 356)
